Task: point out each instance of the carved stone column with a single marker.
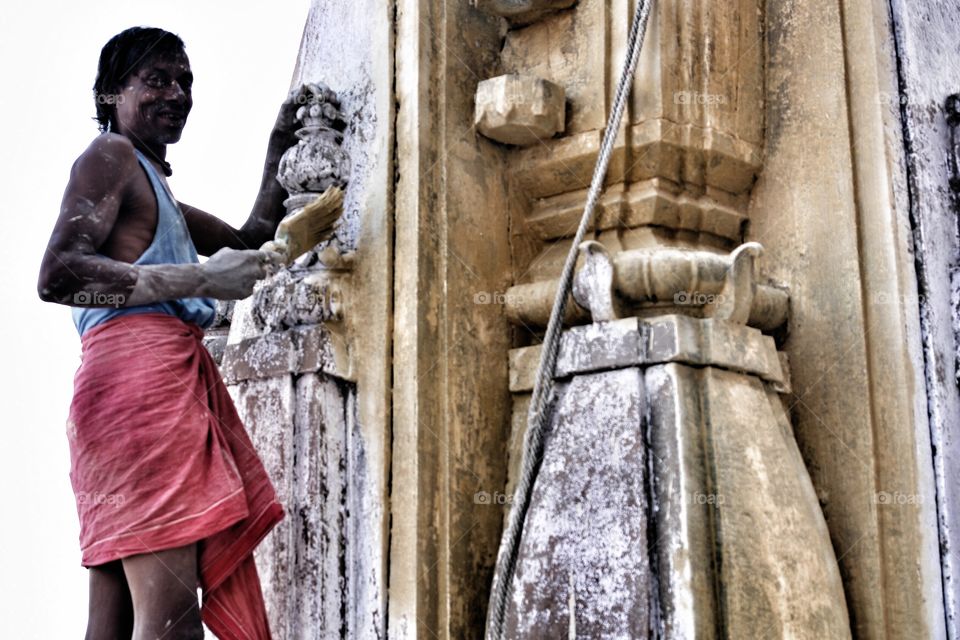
(468, 175)
(691, 145)
(672, 495)
(319, 420)
(674, 376)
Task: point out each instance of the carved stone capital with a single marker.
(317, 161)
(695, 283)
(593, 284)
(292, 299)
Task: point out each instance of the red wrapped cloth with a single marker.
(160, 459)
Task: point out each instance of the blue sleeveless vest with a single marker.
(171, 245)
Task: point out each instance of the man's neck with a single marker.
(155, 152)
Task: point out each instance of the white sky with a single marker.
(242, 55)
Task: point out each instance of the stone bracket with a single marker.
(318, 348)
(648, 341)
(701, 282)
(739, 285)
(593, 285)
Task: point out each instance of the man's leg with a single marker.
(164, 590)
(110, 613)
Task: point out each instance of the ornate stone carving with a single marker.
(316, 162)
(593, 284)
(519, 109)
(292, 299)
(697, 283)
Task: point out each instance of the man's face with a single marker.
(156, 99)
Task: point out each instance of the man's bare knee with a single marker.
(163, 586)
(172, 618)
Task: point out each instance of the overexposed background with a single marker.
(242, 55)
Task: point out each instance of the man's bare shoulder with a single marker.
(109, 154)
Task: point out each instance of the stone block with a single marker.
(519, 109)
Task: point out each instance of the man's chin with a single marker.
(171, 137)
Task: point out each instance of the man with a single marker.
(169, 490)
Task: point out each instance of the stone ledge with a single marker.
(647, 341)
(658, 148)
(317, 348)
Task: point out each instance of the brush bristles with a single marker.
(311, 225)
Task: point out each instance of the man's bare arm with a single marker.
(210, 234)
(91, 205)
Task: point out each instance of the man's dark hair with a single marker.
(124, 54)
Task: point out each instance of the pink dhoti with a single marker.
(160, 459)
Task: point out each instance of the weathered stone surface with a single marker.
(547, 49)
(927, 56)
(848, 254)
(698, 283)
(687, 154)
(520, 12)
(266, 408)
(330, 576)
(519, 109)
(659, 339)
(584, 569)
(743, 549)
(593, 283)
(656, 202)
(450, 411)
(319, 509)
(682, 176)
(298, 350)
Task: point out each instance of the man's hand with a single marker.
(231, 274)
(301, 96)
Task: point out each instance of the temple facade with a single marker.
(753, 426)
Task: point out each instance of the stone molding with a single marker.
(648, 341)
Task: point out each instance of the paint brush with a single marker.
(302, 231)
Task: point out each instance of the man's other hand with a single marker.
(230, 274)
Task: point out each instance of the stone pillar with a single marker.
(699, 379)
(472, 129)
(307, 358)
(672, 492)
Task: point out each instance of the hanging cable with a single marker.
(543, 396)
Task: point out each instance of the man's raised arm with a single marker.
(210, 234)
(92, 202)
